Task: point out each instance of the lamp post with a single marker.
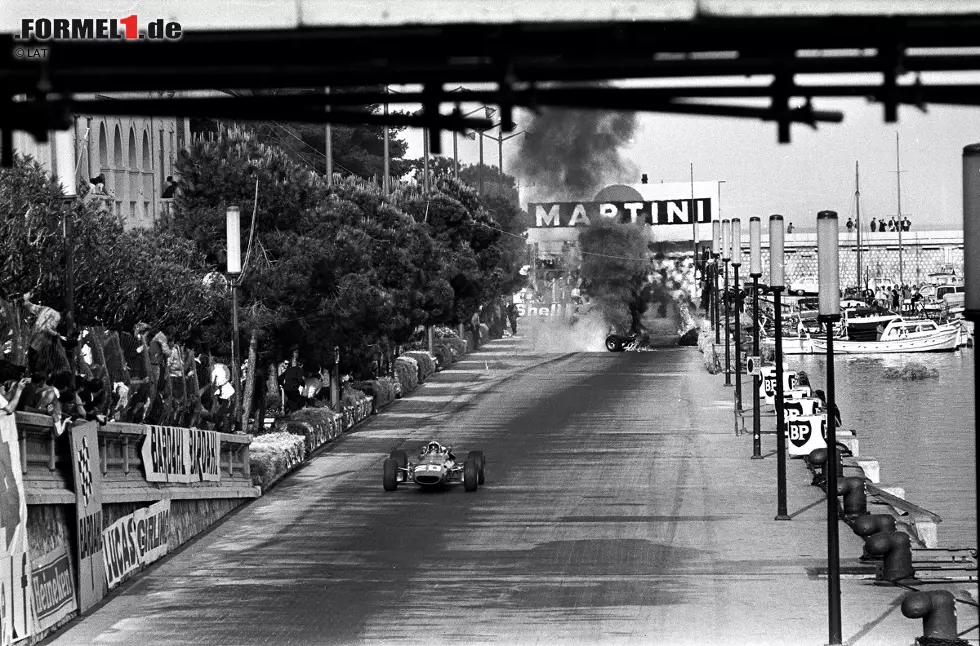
(715, 254)
(234, 270)
(777, 282)
(386, 180)
(736, 263)
(829, 313)
(63, 161)
(500, 139)
(971, 270)
(726, 256)
(755, 270)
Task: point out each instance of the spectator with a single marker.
(850, 224)
(789, 228)
(222, 397)
(512, 315)
(874, 225)
(32, 391)
(291, 381)
(43, 334)
(892, 224)
(160, 352)
(906, 224)
(881, 224)
(475, 327)
(97, 184)
(896, 300)
(171, 188)
(823, 405)
(12, 385)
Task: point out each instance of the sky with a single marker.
(812, 173)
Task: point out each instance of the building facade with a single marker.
(136, 155)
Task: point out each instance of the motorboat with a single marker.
(901, 335)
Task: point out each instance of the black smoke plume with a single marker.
(571, 154)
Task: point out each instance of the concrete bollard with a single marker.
(937, 609)
(855, 498)
(869, 525)
(897, 550)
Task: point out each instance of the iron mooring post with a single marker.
(756, 376)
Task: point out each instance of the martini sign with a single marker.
(583, 214)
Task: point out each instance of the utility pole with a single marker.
(386, 181)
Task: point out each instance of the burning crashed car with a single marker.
(618, 342)
(436, 465)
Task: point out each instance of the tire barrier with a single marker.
(937, 609)
(896, 547)
(855, 497)
(869, 525)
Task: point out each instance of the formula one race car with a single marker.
(436, 465)
(618, 342)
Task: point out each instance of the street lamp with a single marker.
(736, 263)
(726, 256)
(500, 139)
(489, 112)
(828, 250)
(63, 158)
(777, 282)
(755, 270)
(234, 270)
(971, 271)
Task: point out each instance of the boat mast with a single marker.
(857, 201)
(898, 179)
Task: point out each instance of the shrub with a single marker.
(426, 363)
(272, 455)
(407, 372)
(444, 355)
(444, 332)
(383, 390)
(484, 333)
(456, 345)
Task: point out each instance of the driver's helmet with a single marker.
(433, 448)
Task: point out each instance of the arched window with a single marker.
(103, 148)
(117, 149)
(133, 156)
(147, 162)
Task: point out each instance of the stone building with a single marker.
(136, 155)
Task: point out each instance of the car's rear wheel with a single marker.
(390, 477)
(401, 457)
(471, 475)
(481, 462)
(612, 344)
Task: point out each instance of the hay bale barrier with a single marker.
(912, 371)
(426, 363)
(383, 390)
(407, 373)
(273, 455)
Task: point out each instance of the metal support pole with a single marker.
(69, 270)
(328, 146)
(728, 345)
(756, 379)
(455, 154)
(235, 354)
(833, 543)
(738, 342)
(717, 315)
(425, 154)
(781, 513)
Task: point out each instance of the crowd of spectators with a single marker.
(50, 368)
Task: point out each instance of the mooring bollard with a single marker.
(855, 498)
(937, 609)
(818, 457)
(897, 550)
(870, 524)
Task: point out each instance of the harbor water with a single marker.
(921, 431)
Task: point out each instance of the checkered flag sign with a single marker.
(84, 471)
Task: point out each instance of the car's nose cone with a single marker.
(429, 474)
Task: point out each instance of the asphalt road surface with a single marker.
(593, 523)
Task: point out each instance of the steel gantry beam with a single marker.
(531, 65)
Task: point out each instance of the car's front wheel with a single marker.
(390, 477)
(401, 457)
(471, 475)
(481, 462)
(613, 344)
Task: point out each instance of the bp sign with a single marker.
(806, 434)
